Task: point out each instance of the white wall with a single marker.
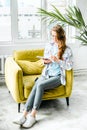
(82, 4)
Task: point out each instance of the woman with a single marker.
(57, 59)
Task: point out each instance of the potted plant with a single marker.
(72, 17)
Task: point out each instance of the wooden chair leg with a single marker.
(19, 107)
(67, 101)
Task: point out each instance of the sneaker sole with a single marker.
(18, 123)
(28, 127)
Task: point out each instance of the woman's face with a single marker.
(54, 36)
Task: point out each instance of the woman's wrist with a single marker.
(58, 60)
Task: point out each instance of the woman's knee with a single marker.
(40, 86)
(34, 87)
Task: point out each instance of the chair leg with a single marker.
(67, 101)
(8, 91)
(19, 107)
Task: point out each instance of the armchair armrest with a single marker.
(14, 79)
(69, 82)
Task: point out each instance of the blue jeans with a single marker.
(35, 97)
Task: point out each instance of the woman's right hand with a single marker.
(47, 61)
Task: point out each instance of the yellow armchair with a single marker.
(20, 81)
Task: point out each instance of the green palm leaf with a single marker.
(83, 40)
(72, 17)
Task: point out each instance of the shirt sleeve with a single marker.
(67, 62)
(46, 51)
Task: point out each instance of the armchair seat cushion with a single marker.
(54, 93)
(48, 94)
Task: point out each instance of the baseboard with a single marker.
(2, 77)
(80, 72)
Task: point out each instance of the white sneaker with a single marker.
(20, 121)
(29, 122)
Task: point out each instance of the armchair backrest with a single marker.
(27, 54)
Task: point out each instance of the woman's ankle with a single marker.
(33, 113)
(25, 113)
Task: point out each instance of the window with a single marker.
(29, 22)
(5, 20)
(20, 22)
(61, 5)
(71, 31)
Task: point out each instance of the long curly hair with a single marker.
(62, 39)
